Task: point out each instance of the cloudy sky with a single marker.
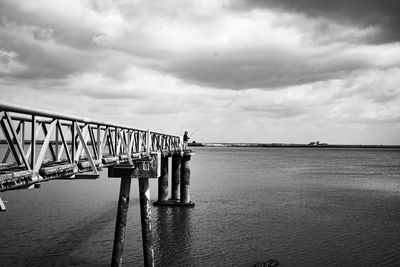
(238, 71)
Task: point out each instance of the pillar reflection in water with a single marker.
(173, 236)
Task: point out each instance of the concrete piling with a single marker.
(185, 179)
(142, 169)
(163, 183)
(145, 214)
(122, 214)
(176, 176)
(163, 180)
(180, 176)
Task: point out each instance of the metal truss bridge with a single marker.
(37, 146)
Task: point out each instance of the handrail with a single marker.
(61, 116)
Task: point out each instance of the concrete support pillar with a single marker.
(163, 180)
(180, 176)
(185, 179)
(176, 176)
(145, 214)
(142, 169)
(122, 214)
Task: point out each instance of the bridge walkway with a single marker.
(38, 146)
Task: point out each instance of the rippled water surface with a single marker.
(302, 206)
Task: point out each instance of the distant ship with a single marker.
(317, 143)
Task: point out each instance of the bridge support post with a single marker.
(163, 181)
(176, 176)
(145, 215)
(122, 215)
(180, 181)
(143, 169)
(185, 179)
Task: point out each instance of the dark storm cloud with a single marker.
(363, 13)
(40, 61)
(104, 93)
(262, 69)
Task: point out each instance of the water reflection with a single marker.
(173, 236)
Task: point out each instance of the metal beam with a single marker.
(122, 139)
(65, 145)
(7, 154)
(9, 141)
(93, 141)
(79, 151)
(15, 138)
(99, 142)
(45, 146)
(53, 153)
(85, 147)
(104, 141)
(73, 141)
(33, 141)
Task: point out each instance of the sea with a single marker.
(315, 206)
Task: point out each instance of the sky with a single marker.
(267, 71)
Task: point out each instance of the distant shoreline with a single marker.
(288, 145)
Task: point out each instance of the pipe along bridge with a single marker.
(37, 146)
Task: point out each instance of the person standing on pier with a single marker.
(185, 140)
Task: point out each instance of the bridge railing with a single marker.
(37, 145)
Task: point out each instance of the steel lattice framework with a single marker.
(38, 145)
